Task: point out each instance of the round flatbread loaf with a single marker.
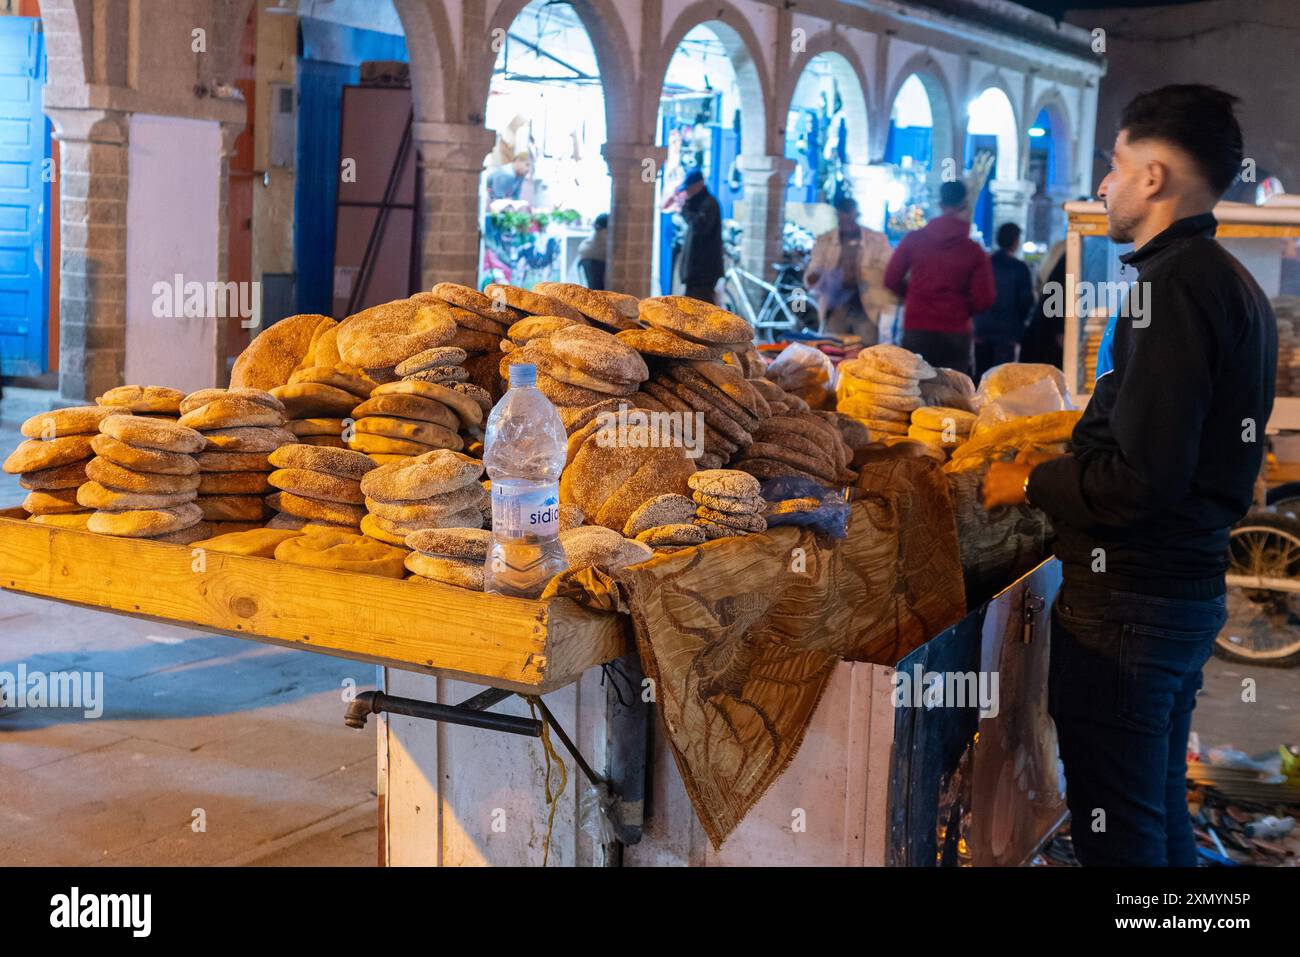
(370, 525)
(247, 439)
(669, 509)
(113, 476)
(940, 418)
(306, 400)
(317, 510)
(466, 408)
(469, 518)
(442, 374)
(92, 495)
(696, 320)
(590, 545)
(863, 405)
(382, 445)
(304, 428)
(318, 485)
(745, 521)
(679, 533)
(466, 298)
(324, 441)
(152, 434)
(343, 551)
(346, 378)
(155, 399)
(409, 407)
(143, 460)
(36, 455)
(255, 543)
(341, 462)
(233, 483)
(434, 473)
(590, 303)
(54, 502)
(439, 357)
(532, 303)
(537, 327)
(896, 361)
(434, 436)
(385, 335)
(751, 504)
(197, 400)
(448, 571)
(277, 350)
(662, 342)
(232, 508)
(728, 483)
(54, 478)
(230, 412)
(232, 462)
(145, 523)
(430, 510)
(77, 420)
(598, 354)
(715, 530)
(186, 536)
(469, 544)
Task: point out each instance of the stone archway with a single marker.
(945, 139)
(846, 68)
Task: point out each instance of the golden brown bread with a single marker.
(145, 523)
(36, 455)
(257, 542)
(318, 485)
(113, 476)
(152, 434)
(341, 462)
(154, 399)
(277, 351)
(232, 508)
(143, 460)
(343, 551)
(77, 420)
(54, 502)
(92, 495)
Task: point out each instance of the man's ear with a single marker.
(1155, 178)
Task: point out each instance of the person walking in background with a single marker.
(943, 278)
(1000, 328)
(700, 259)
(1161, 465)
(592, 252)
(846, 271)
(507, 182)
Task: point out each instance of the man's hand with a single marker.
(1005, 483)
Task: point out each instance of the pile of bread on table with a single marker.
(358, 444)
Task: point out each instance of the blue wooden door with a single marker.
(23, 199)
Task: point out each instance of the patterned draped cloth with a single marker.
(740, 635)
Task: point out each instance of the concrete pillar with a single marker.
(92, 261)
(451, 164)
(765, 179)
(633, 173)
(1011, 202)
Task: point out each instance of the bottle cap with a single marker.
(522, 375)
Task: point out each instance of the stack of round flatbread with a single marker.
(800, 443)
(723, 406)
(697, 321)
(51, 462)
(609, 473)
(881, 388)
(666, 522)
(345, 551)
(727, 503)
(585, 372)
(439, 489)
(319, 402)
(241, 427)
(318, 486)
(589, 545)
(380, 338)
(941, 427)
(405, 419)
(949, 388)
(144, 479)
(451, 556)
(148, 401)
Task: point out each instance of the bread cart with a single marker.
(1264, 575)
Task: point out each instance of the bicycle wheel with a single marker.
(1263, 625)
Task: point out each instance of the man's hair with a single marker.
(601, 221)
(952, 195)
(1198, 120)
(846, 204)
(1008, 235)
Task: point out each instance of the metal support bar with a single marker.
(567, 742)
(470, 715)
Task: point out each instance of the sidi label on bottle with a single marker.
(527, 512)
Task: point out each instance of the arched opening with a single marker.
(826, 130)
(1047, 167)
(701, 125)
(991, 128)
(545, 181)
(916, 147)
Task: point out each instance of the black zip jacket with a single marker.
(1164, 460)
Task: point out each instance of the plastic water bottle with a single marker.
(524, 452)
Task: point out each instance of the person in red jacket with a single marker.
(943, 278)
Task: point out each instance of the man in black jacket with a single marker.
(701, 253)
(1161, 465)
(999, 329)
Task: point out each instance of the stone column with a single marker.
(451, 163)
(1010, 202)
(92, 259)
(765, 179)
(633, 171)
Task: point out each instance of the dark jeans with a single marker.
(703, 293)
(948, 350)
(990, 353)
(1125, 669)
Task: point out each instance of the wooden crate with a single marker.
(526, 646)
